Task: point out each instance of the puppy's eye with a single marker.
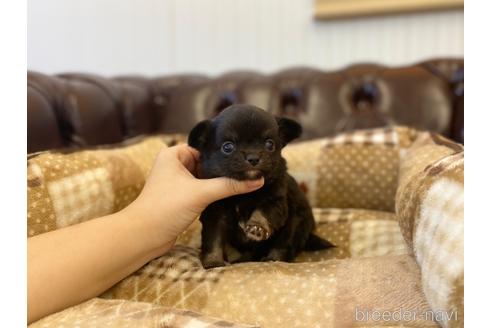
(270, 145)
(228, 147)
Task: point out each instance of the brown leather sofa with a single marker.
(76, 109)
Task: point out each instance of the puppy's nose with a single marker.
(253, 159)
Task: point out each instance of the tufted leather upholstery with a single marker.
(73, 110)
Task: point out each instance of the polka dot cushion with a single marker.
(353, 170)
(278, 294)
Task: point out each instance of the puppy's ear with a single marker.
(199, 135)
(288, 129)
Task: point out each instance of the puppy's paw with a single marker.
(257, 227)
(277, 254)
(245, 257)
(212, 260)
(255, 232)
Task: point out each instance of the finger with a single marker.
(187, 156)
(219, 188)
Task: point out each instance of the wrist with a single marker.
(149, 228)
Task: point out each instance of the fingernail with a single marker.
(254, 183)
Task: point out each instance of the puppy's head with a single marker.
(243, 142)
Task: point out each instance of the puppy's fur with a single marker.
(273, 223)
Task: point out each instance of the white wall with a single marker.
(212, 36)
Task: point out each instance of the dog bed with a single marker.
(391, 199)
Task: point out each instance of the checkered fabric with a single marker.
(384, 261)
(64, 188)
(429, 205)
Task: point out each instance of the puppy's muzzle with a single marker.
(253, 159)
(253, 174)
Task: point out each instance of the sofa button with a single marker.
(365, 96)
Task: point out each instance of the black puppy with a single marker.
(273, 223)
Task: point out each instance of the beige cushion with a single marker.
(429, 206)
(64, 188)
(353, 170)
(98, 312)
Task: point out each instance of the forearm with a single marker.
(70, 265)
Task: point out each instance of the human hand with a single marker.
(173, 197)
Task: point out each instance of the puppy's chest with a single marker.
(244, 205)
(242, 210)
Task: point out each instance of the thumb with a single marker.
(218, 188)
